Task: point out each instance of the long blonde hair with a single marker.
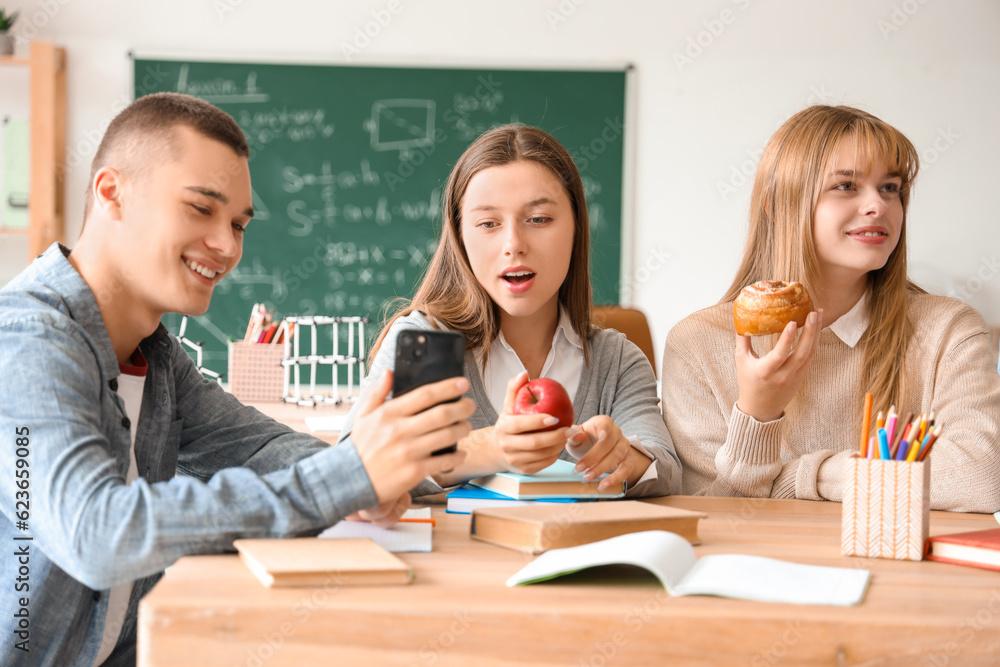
(449, 291)
(780, 240)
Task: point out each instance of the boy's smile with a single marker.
(182, 225)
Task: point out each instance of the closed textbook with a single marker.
(559, 480)
(464, 499)
(537, 528)
(977, 548)
(310, 561)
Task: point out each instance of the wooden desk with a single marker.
(209, 610)
(294, 416)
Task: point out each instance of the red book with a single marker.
(978, 548)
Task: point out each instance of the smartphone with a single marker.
(424, 357)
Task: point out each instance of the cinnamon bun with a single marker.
(768, 305)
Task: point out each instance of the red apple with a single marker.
(546, 397)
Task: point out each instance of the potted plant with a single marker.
(6, 39)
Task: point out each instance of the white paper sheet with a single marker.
(401, 537)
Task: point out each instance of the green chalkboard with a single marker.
(348, 164)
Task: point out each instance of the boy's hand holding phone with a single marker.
(396, 439)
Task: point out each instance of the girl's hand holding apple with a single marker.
(528, 442)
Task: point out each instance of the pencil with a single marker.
(900, 432)
(930, 443)
(890, 425)
(915, 449)
(902, 447)
(883, 445)
(430, 521)
(866, 424)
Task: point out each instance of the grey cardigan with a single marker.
(618, 382)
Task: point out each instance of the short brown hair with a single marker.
(142, 127)
(449, 291)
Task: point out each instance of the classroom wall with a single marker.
(713, 80)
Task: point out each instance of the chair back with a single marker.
(630, 322)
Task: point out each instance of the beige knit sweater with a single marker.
(802, 455)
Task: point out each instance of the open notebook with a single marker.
(672, 559)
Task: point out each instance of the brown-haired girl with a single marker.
(511, 273)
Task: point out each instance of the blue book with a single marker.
(464, 499)
(559, 480)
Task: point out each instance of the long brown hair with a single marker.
(780, 239)
(449, 291)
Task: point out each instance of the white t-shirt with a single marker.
(131, 383)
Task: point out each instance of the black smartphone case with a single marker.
(424, 357)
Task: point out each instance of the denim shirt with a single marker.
(211, 470)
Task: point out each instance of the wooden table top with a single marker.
(209, 610)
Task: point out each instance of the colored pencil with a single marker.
(883, 445)
(890, 425)
(900, 432)
(866, 423)
(930, 443)
(430, 521)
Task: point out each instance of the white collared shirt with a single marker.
(564, 364)
(852, 324)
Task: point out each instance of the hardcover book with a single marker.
(977, 548)
(464, 499)
(559, 480)
(540, 527)
(310, 561)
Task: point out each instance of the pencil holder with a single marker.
(255, 371)
(886, 508)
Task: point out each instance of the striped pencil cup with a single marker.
(886, 509)
(255, 371)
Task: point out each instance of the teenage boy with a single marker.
(117, 457)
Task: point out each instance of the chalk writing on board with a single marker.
(220, 90)
(295, 124)
(401, 125)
